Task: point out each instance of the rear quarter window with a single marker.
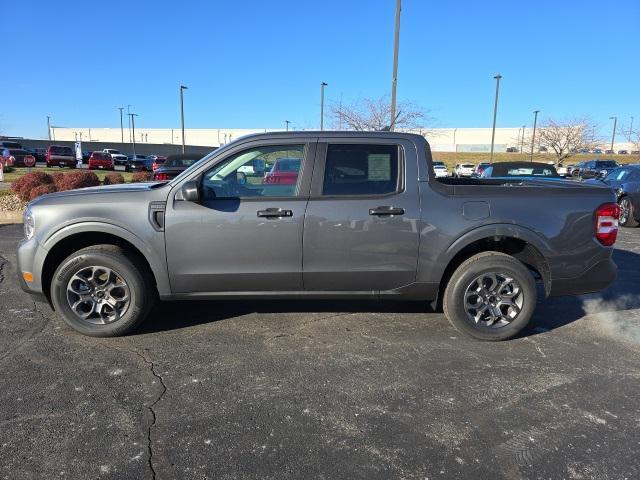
(361, 169)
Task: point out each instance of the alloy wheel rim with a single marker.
(493, 300)
(624, 210)
(98, 295)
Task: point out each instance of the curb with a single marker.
(10, 217)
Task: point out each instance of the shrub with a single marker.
(141, 177)
(41, 190)
(113, 179)
(24, 185)
(57, 179)
(78, 179)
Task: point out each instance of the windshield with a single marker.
(617, 175)
(11, 145)
(196, 164)
(61, 151)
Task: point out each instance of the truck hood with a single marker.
(123, 188)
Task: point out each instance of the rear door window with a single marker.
(361, 169)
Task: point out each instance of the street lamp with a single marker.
(495, 113)
(129, 119)
(322, 85)
(631, 129)
(615, 124)
(394, 80)
(286, 125)
(533, 137)
(133, 127)
(49, 127)
(522, 141)
(121, 126)
(182, 89)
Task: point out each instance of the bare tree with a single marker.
(565, 138)
(375, 114)
(634, 139)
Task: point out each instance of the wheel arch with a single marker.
(74, 237)
(519, 242)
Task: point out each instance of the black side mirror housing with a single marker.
(191, 191)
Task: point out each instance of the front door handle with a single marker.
(386, 210)
(275, 213)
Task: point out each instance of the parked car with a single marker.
(60, 156)
(284, 171)
(625, 183)
(596, 168)
(40, 154)
(15, 157)
(118, 157)
(520, 170)
(562, 170)
(463, 170)
(440, 169)
(158, 161)
(174, 166)
(101, 161)
(570, 168)
(623, 152)
(543, 150)
(480, 168)
(139, 163)
(10, 144)
(367, 218)
(512, 149)
(597, 151)
(635, 152)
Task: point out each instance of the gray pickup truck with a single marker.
(319, 215)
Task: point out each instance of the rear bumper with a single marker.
(595, 279)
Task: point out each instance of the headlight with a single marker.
(29, 224)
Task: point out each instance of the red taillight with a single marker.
(161, 176)
(607, 216)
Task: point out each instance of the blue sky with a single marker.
(253, 64)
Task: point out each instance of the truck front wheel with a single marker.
(490, 296)
(102, 291)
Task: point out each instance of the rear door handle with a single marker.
(275, 213)
(386, 210)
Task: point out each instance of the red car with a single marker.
(158, 161)
(284, 172)
(61, 156)
(101, 160)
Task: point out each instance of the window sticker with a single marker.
(379, 167)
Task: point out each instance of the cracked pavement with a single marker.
(322, 390)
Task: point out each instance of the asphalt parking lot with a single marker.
(322, 390)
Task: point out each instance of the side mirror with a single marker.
(191, 191)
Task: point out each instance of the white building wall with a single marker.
(440, 139)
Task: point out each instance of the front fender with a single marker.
(156, 261)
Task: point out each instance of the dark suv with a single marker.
(596, 169)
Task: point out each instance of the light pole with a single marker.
(533, 137)
(495, 113)
(286, 125)
(522, 141)
(322, 85)
(182, 89)
(129, 118)
(121, 126)
(133, 136)
(394, 80)
(631, 129)
(49, 127)
(615, 124)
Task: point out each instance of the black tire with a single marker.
(630, 220)
(454, 302)
(128, 267)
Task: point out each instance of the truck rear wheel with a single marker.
(102, 291)
(490, 296)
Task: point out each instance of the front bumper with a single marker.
(31, 259)
(594, 279)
